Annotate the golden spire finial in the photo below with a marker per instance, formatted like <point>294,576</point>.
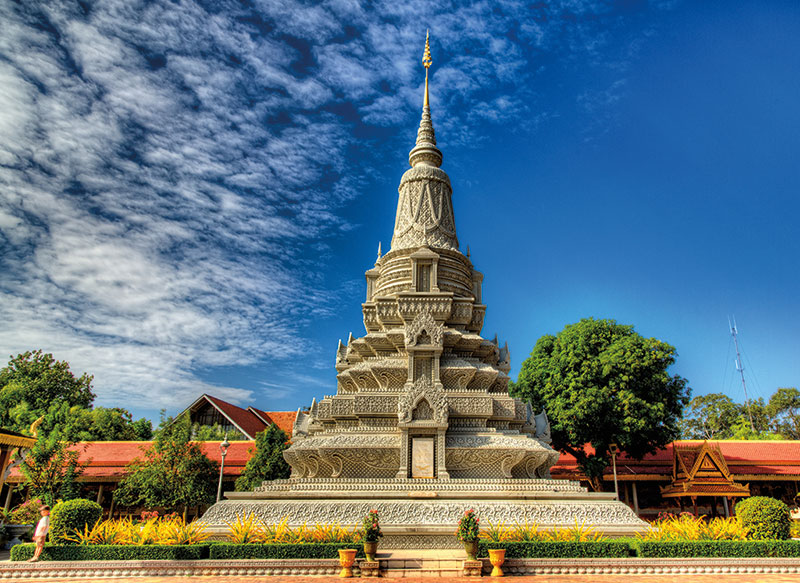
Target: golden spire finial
<point>427,62</point>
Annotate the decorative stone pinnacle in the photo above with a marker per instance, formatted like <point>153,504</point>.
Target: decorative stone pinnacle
<point>426,152</point>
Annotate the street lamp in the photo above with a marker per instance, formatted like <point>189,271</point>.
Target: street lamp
<point>614,449</point>
<point>223,450</point>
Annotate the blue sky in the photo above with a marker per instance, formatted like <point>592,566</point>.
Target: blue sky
<point>190,192</point>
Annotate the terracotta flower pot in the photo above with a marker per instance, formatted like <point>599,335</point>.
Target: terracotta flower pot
<point>371,549</point>
<point>497,557</point>
<point>471,546</point>
<point>346,559</point>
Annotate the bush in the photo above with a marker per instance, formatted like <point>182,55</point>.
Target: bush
<point>557,549</point>
<point>765,518</point>
<point>686,526</point>
<point>67,517</point>
<point>111,552</point>
<point>282,551</point>
<point>718,548</point>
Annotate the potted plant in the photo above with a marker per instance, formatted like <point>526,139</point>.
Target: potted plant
<point>21,521</point>
<point>468,533</point>
<point>372,532</point>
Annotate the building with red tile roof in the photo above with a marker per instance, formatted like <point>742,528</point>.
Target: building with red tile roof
<point>770,468</point>
<point>247,423</point>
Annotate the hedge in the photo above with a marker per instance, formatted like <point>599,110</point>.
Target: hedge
<point>718,548</point>
<point>558,549</point>
<point>766,518</point>
<point>282,551</point>
<point>23,552</point>
<point>67,517</point>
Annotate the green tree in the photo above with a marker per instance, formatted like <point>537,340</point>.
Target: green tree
<point>173,473</point>
<point>51,469</point>
<point>710,416</point>
<point>783,410</point>
<point>143,429</point>
<point>33,382</point>
<point>267,462</point>
<point>215,433</point>
<point>742,430</point>
<point>102,424</point>
<point>602,383</point>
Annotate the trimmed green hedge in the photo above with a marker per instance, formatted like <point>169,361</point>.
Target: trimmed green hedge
<point>24,552</point>
<point>718,548</point>
<point>558,549</point>
<point>282,551</point>
<point>765,517</point>
<point>67,517</point>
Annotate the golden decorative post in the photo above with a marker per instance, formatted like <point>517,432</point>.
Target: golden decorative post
<point>427,62</point>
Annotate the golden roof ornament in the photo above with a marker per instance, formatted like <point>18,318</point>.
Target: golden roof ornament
<point>425,152</point>
<point>427,62</point>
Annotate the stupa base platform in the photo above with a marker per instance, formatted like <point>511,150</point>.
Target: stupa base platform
<point>423,514</point>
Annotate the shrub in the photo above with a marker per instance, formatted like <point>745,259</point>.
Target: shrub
<point>765,518</point>
<point>282,551</point>
<point>558,549</point>
<point>718,548</point>
<point>25,513</point>
<point>111,552</point>
<point>468,526</point>
<point>686,526</point>
<point>71,516</point>
<point>247,529</point>
<point>372,528</point>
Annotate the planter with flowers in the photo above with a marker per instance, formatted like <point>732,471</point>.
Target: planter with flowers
<point>468,533</point>
<point>372,532</point>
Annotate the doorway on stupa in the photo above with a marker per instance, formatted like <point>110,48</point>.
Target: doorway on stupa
<point>422,457</point>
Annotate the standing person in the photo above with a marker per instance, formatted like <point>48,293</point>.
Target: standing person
<point>41,533</point>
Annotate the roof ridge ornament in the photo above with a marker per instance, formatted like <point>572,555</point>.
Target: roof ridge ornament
<point>425,151</point>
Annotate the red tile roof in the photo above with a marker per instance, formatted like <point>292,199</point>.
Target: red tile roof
<point>283,419</point>
<point>107,459</point>
<point>777,458</point>
<point>781,458</point>
<point>246,420</point>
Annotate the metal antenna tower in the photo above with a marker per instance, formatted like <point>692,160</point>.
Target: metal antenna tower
<point>740,368</point>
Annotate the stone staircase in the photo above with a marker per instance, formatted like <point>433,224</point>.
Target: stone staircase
<point>398,564</point>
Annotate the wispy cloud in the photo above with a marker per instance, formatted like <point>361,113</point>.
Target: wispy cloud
<point>167,168</point>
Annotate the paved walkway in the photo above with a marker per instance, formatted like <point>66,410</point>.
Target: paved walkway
<point>752,578</point>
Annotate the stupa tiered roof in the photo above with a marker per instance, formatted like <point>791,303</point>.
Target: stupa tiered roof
<point>422,423</point>
<point>422,382</point>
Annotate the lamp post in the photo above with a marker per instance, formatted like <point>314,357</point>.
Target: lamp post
<point>223,450</point>
<point>614,449</point>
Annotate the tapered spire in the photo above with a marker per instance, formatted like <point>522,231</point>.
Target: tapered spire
<point>426,152</point>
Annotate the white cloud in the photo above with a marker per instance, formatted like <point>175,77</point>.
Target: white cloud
<point>163,165</point>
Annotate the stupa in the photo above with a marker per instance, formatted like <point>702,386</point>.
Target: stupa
<point>422,426</point>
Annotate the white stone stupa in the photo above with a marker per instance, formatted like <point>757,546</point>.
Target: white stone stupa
<point>422,426</point>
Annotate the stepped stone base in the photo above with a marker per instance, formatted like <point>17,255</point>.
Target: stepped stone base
<point>423,514</point>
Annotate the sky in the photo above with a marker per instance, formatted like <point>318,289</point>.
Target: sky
<point>190,192</point>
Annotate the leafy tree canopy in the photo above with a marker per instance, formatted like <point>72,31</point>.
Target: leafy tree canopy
<point>51,469</point>
<point>36,386</point>
<point>783,411</point>
<point>172,473</point>
<point>105,424</point>
<point>710,417</point>
<point>602,383</point>
<point>33,382</point>
<point>267,462</point>
<point>717,416</point>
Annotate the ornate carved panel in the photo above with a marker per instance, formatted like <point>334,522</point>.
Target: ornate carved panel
<point>423,389</point>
